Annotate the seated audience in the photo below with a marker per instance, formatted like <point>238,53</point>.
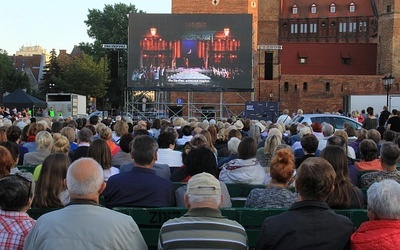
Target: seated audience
<point>123,156</point>
<point>382,231</point>
<point>245,169</point>
<point>368,150</point>
<point>85,136</point>
<point>50,191</point>
<point>7,161</point>
<point>43,141</point>
<point>83,224</point>
<point>390,154</point>
<point>265,153</point>
<point>345,194</point>
<point>140,187</point>
<point>201,160</point>
<point>309,223</point>
<point>187,136</point>
<point>106,134</point>
<point>70,133</point>
<point>233,145</point>
<point>14,134</point>
<point>203,225</point>
<point>309,145</point>
<point>276,193</point>
<point>120,129</point>
<point>16,194</point>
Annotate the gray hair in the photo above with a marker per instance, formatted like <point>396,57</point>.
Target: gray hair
<point>327,129</point>
<point>390,153</point>
<point>85,135</point>
<point>88,185</point>
<point>143,149</point>
<point>233,145</point>
<point>194,198</point>
<point>384,199</point>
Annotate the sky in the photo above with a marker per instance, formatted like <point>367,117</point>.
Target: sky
<point>56,24</point>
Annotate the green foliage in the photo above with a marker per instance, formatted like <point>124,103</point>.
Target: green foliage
<point>51,81</point>
<point>86,77</point>
<point>10,78</point>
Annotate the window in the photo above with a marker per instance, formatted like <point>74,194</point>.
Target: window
<point>332,9</point>
<point>362,26</point>
<point>286,87</point>
<point>302,57</point>
<point>313,8</point>
<point>303,28</point>
<point>294,9</point>
<point>341,88</point>
<point>293,28</point>
<point>342,27</point>
<point>327,86</point>
<point>389,8</point>
<point>313,28</point>
<point>295,88</point>
<point>352,7</point>
<point>305,87</point>
<point>353,27</point>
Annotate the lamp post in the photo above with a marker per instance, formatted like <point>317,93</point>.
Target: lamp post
<point>388,82</point>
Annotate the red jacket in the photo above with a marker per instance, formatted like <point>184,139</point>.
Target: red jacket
<point>377,234</point>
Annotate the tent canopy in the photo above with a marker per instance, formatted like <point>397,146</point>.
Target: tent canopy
<point>20,99</point>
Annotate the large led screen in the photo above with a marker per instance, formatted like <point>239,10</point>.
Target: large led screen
<point>190,52</point>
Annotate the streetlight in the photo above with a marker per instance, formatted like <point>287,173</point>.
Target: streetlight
<point>388,82</point>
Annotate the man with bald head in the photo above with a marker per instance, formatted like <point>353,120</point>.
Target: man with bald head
<point>83,223</point>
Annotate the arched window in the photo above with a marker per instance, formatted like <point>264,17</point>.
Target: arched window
<point>305,86</point>
<point>352,7</point>
<point>332,9</point>
<point>295,88</point>
<point>286,86</point>
<point>327,86</point>
<point>294,9</point>
<point>313,8</point>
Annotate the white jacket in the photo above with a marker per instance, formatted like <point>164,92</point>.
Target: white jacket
<point>242,171</point>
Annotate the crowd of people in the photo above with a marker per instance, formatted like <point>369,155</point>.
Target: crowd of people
<point>308,169</point>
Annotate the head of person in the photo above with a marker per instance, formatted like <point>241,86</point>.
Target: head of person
<point>94,120</point>
<point>121,128</point>
<point>315,179</point>
<point>384,200</point>
<point>309,143</point>
<point>69,132</point>
<point>144,150</point>
<point>282,166</point>
<point>285,112</point>
<point>201,160</point>
<point>316,127</point>
<point>51,181</point>
<point>16,192</point>
<point>166,140</point>
<point>186,130</point>
<point>14,150</point>
<point>271,143</point>
<point>6,161</point>
<point>105,133</point>
<point>125,141</point>
<point>14,133</point>
<point>247,148</point>
<point>374,135</point>
<point>275,131</point>
<point>327,129</point>
<point>234,133</point>
<point>56,126</point>
<point>203,190</point>
<point>361,134</point>
<point>350,131</point>
<point>337,157</point>
<point>85,135</point>
<point>212,129</point>
<point>370,111</point>
<point>368,150</point>
<point>60,144</point>
<point>337,141</point>
<point>390,154</point>
<point>100,152</point>
<point>44,140</point>
<point>85,179</point>
<point>233,145</point>
<point>389,135</point>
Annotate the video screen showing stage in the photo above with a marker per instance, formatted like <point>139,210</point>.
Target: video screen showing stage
<point>190,52</point>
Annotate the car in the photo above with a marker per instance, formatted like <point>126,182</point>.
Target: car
<point>337,121</point>
<point>99,113</point>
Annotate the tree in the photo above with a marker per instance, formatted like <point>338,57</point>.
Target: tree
<point>10,78</point>
<point>110,26</point>
<point>85,76</point>
<point>51,80</point>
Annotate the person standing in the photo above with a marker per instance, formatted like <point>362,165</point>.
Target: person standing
<point>370,122</point>
<point>83,223</point>
<point>203,225</point>
<point>284,118</point>
<point>384,116</point>
<point>393,123</point>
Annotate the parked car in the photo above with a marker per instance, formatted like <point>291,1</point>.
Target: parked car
<point>99,113</point>
<point>336,121</point>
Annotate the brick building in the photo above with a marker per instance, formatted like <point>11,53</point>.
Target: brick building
<point>330,50</point>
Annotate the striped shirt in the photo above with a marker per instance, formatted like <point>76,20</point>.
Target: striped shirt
<point>202,228</point>
<point>14,227</point>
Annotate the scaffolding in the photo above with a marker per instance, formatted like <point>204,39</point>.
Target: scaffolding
<point>149,105</point>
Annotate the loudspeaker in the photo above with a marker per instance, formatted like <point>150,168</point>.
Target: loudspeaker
<point>114,64</point>
<point>268,67</point>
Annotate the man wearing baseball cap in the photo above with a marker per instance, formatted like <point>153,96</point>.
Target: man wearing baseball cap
<point>203,225</point>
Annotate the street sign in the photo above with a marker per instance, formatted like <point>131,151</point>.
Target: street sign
<point>270,47</point>
<point>115,46</point>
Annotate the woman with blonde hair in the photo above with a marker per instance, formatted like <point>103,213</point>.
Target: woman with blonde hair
<point>210,145</point>
<point>50,191</point>
<point>70,133</point>
<point>43,142</point>
<point>106,134</point>
<point>120,128</point>
<point>61,144</point>
<point>276,194</point>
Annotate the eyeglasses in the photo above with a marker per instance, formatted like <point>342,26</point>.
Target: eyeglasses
<point>24,177</point>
